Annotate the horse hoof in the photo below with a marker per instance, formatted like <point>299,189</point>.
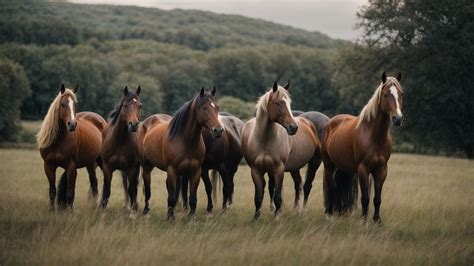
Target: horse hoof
<point>278,216</point>
<point>171,219</point>
<point>377,220</point>
<point>132,215</point>
<point>272,208</point>
<point>209,215</point>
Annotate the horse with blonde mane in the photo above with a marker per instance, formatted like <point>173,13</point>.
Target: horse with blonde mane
<point>360,146</point>
<point>70,141</point>
<point>275,142</point>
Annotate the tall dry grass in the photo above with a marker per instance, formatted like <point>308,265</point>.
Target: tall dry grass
<point>427,213</point>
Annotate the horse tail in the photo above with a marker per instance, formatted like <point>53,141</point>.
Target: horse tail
<point>214,179</point>
<point>346,191</point>
<point>62,190</point>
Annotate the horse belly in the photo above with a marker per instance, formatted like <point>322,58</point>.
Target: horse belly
<point>301,153</point>
<point>339,148</point>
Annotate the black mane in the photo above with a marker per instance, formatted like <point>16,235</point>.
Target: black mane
<point>180,118</point>
<point>115,113</point>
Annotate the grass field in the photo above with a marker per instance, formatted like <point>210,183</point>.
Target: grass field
<point>427,213</point>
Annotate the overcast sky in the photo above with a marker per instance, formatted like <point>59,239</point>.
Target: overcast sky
<point>335,18</point>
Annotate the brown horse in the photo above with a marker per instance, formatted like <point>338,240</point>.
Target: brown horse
<point>275,142</point>
<point>177,147</point>
<point>69,141</point>
<point>361,145</point>
<point>120,146</point>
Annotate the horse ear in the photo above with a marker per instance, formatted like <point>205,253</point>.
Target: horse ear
<point>139,89</point>
<point>213,92</point>
<point>202,92</point>
<point>399,76</point>
<point>125,91</point>
<point>287,86</point>
<point>76,89</point>
<point>384,77</point>
<point>63,89</point>
<point>275,86</point>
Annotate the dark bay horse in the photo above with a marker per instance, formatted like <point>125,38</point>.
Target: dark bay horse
<point>177,147</point>
<point>69,140</point>
<point>120,146</point>
<point>361,145</point>
<point>275,142</point>
<point>222,155</point>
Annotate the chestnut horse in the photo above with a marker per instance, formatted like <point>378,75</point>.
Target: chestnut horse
<point>120,146</point>
<point>223,156</point>
<point>70,141</point>
<point>177,147</point>
<point>361,145</point>
<point>275,142</point>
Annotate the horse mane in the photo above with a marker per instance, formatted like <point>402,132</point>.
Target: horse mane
<point>371,109</point>
<point>262,103</point>
<point>50,127</point>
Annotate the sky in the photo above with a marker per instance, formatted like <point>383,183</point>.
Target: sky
<point>335,18</point>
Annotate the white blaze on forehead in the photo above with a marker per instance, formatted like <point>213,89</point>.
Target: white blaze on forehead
<point>134,99</point>
<point>288,106</point>
<point>213,105</point>
<point>71,107</point>
<point>394,92</point>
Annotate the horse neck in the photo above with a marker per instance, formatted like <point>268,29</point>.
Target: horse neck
<point>264,127</point>
<point>379,126</point>
<point>120,129</point>
<point>193,131</point>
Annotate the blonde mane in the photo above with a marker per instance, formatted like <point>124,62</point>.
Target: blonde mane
<point>371,109</point>
<point>262,103</point>
<point>50,127</point>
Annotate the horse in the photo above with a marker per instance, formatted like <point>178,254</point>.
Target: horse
<point>275,142</point>
<point>361,145</point>
<point>223,156</point>
<point>177,147</point>
<point>120,147</point>
<point>69,140</point>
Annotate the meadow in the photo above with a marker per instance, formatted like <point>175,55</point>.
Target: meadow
<point>427,218</point>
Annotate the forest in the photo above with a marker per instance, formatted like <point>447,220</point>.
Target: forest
<point>172,54</point>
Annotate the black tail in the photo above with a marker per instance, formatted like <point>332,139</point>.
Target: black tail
<point>344,195</point>
<point>62,190</point>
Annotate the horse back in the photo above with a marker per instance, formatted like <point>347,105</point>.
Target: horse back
<point>95,119</point>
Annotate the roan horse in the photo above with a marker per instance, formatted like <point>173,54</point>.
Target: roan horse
<point>223,156</point>
<point>275,149</point>
<point>361,145</point>
<point>70,141</point>
<point>120,146</point>
<point>177,147</point>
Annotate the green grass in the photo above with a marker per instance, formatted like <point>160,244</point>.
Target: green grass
<point>427,213</point>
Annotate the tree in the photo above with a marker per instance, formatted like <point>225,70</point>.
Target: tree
<point>14,87</point>
<point>432,43</point>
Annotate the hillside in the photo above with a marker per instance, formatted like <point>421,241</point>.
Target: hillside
<point>65,23</point>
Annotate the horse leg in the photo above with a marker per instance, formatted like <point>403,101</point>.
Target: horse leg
<point>71,184</point>
<point>132,174</point>
<point>231,177</point>
<point>297,180</point>
<point>278,175</point>
<point>259,184</point>
<point>271,191</point>
<point>194,183</point>
<point>106,189</point>
<point>93,192</point>
<point>125,187</point>
<point>171,185</point>
<point>208,186</point>
<point>50,172</point>
<point>379,178</point>
<point>226,188</point>
<point>329,187</point>
<point>313,166</point>
<point>146,175</point>
<point>184,185</point>
<point>364,189</point>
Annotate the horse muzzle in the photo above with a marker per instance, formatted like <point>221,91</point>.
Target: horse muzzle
<point>291,129</point>
<point>397,120</point>
<point>71,126</point>
<point>133,126</point>
<point>216,132</point>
